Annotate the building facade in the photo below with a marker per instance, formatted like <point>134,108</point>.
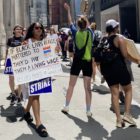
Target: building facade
<point>38,11</point>
<point>127,12</point>
<point>12,12</point>
<point>57,15</point>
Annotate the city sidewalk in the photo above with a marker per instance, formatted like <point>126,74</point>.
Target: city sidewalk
<point>76,125</point>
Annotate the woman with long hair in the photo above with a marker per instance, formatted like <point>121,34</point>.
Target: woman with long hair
<point>35,33</point>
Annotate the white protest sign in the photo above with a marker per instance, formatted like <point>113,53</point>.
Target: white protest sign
<point>51,40</point>
<point>31,63</point>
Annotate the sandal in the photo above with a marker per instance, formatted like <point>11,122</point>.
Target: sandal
<point>120,124</point>
<point>41,130</point>
<point>28,118</point>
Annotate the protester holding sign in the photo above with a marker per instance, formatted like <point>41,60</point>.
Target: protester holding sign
<point>35,33</point>
<point>13,42</point>
<point>53,38</point>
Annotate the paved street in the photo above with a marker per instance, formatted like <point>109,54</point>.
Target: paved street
<point>75,126</point>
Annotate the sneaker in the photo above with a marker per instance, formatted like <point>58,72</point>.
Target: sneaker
<point>9,97</point>
<point>28,118</point>
<point>13,99</point>
<point>89,114</point>
<point>65,110</point>
<point>128,118</point>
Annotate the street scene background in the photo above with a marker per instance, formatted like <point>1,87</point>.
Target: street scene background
<point>76,125</point>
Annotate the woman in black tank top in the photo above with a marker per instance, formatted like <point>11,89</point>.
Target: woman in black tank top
<point>117,74</point>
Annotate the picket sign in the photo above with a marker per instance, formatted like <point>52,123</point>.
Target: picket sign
<point>8,67</point>
<point>34,61</point>
<point>43,86</point>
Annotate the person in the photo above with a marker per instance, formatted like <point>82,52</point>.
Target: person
<point>69,44</point>
<point>35,33</point>
<point>116,73</point>
<point>84,63</point>
<point>63,38</point>
<point>53,37</point>
<point>97,35</point>
<point>14,41</point>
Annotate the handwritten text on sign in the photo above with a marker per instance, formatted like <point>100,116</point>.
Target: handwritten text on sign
<point>31,63</point>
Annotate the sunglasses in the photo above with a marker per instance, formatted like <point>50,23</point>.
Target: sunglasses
<point>38,27</point>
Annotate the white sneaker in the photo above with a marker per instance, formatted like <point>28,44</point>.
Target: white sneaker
<point>65,110</point>
<point>89,114</point>
<point>128,118</point>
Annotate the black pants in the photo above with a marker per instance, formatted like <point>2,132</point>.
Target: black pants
<point>64,52</point>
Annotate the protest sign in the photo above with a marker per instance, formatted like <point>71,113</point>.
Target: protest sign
<point>8,67</point>
<point>43,86</point>
<point>51,41</point>
<point>30,62</point>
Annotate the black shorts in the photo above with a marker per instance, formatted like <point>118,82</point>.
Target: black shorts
<point>78,65</point>
<point>70,49</point>
<point>116,74</point>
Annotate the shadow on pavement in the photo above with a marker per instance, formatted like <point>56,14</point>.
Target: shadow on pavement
<point>12,113</point>
<point>130,133</point>
<point>91,129</point>
<point>134,109</point>
<point>101,89</point>
<point>65,69</point>
<point>33,136</point>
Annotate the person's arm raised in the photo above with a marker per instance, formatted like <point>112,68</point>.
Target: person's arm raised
<point>67,7</point>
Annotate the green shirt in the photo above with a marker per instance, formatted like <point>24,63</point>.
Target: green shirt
<point>80,38</point>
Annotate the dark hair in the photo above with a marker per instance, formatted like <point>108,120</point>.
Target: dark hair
<point>110,29</point>
<point>29,33</point>
<point>82,23</point>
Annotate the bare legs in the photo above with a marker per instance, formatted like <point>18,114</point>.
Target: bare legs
<point>35,104</point>
<point>87,83</point>
<point>12,83</point>
<point>72,82</point>
<point>115,99</point>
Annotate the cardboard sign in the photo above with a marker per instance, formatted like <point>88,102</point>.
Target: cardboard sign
<point>8,67</point>
<point>43,86</point>
<point>34,61</point>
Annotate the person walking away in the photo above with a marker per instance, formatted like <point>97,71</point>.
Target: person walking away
<point>69,44</point>
<point>63,39</point>
<point>82,60</point>
<point>115,72</point>
<point>97,35</point>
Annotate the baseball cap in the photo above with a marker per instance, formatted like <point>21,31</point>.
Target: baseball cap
<point>112,22</point>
